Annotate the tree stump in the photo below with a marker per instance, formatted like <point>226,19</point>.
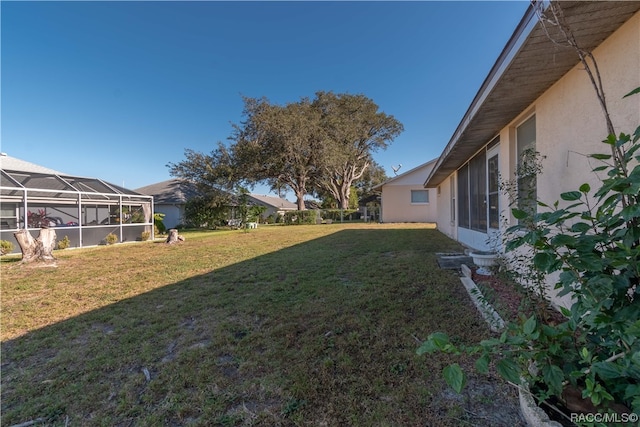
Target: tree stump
<point>174,237</point>
<point>39,249</point>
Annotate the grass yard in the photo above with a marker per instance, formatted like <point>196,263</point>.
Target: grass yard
<point>300,325</point>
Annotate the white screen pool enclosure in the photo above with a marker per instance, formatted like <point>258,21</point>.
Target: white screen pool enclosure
<point>85,210</point>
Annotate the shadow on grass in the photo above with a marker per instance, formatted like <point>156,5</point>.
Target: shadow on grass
<point>321,332</point>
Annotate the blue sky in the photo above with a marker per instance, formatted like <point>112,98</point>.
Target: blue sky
<point>117,90</point>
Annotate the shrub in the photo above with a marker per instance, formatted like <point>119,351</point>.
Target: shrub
<point>206,212</point>
<point>64,243</point>
<point>6,247</point>
<point>111,239</point>
<point>340,214</point>
<point>145,235</point>
<point>594,244</point>
<point>158,223</point>
<point>300,217</point>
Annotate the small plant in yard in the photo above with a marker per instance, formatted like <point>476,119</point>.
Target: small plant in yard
<point>145,235</point>
<point>111,239</point>
<point>593,242</point>
<point>5,247</point>
<point>64,243</point>
<point>158,223</point>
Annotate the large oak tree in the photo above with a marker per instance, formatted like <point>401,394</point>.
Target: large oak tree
<point>279,145</point>
<point>353,130</point>
<point>322,145</point>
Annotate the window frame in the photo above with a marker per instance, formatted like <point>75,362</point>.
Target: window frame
<point>476,192</point>
<point>426,192</point>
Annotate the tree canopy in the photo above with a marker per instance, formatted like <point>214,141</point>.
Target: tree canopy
<point>279,145</point>
<point>320,146</point>
<point>353,131</point>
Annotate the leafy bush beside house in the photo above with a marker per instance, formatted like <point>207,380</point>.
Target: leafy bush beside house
<point>64,243</point>
<point>158,223</point>
<point>111,239</point>
<point>206,211</point>
<point>594,244</point>
<point>300,217</point>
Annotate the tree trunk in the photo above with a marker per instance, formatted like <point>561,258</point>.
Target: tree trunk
<point>40,249</point>
<point>300,200</point>
<point>174,237</point>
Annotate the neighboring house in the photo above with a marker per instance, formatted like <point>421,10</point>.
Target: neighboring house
<point>275,205</point>
<point>83,209</point>
<point>171,196</point>
<point>404,198</point>
<point>538,97</point>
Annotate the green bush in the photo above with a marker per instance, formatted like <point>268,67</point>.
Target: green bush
<point>592,239</point>
<point>158,223</point>
<point>64,243</point>
<point>340,214</point>
<point>145,235</point>
<point>111,239</point>
<point>6,247</point>
<point>300,217</point>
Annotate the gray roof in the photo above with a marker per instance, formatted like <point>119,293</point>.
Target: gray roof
<point>17,175</point>
<point>14,164</point>
<point>172,191</point>
<point>529,65</point>
<point>276,202</point>
<point>177,192</point>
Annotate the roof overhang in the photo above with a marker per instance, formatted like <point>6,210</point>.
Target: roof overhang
<point>529,65</point>
<point>397,177</point>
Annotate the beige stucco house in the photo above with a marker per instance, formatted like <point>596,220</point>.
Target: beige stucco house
<point>404,198</point>
<point>538,96</point>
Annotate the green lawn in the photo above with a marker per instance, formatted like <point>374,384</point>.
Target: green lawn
<point>300,325</point>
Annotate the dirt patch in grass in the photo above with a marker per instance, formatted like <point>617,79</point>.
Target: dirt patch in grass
<point>304,325</point>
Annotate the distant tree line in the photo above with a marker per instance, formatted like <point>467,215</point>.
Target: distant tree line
<point>321,146</point>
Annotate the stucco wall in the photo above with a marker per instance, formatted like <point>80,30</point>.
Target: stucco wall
<point>173,215</point>
<point>395,196</point>
<point>570,122</point>
<point>569,125</point>
<point>443,214</point>
<point>397,206</point>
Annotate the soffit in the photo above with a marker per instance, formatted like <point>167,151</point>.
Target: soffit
<point>523,72</point>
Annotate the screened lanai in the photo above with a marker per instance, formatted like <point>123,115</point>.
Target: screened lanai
<point>85,210</point>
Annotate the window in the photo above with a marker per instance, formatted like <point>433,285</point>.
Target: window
<point>452,183</point>
<point>463,196</point>
<point>527,169</point>
<point>478,201</point>
<point>419,196</point>
<point>493,184</point>
<point>478,191</point>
